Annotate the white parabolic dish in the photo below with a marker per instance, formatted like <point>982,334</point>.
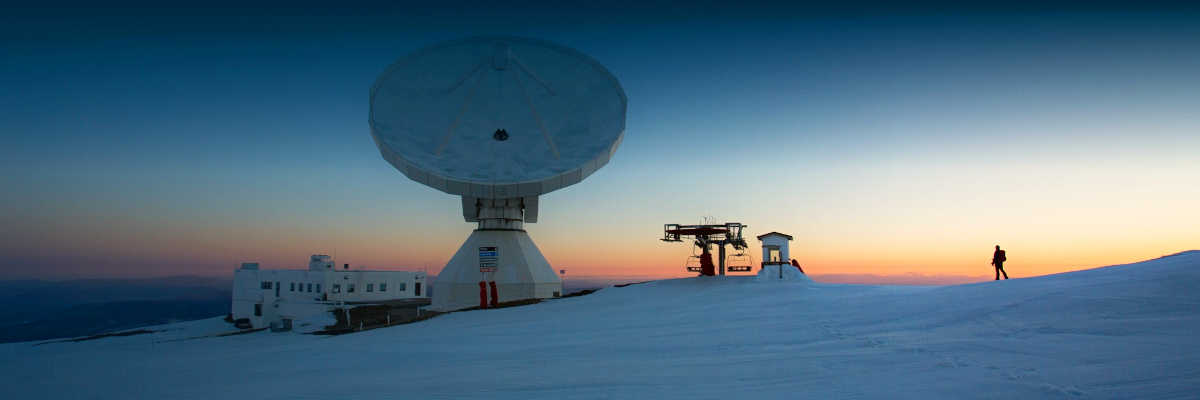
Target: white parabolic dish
<point>496,117</point>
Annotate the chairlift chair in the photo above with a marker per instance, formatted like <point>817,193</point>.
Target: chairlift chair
<point>740,262</point>
<point>693,264</point>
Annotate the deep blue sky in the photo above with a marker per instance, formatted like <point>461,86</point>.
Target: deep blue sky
<point>158,140</point>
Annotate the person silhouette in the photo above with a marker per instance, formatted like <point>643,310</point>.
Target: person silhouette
<point>998,260</point>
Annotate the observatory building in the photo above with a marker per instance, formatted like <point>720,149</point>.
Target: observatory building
<point>497,121</point>
<point>278,297</point>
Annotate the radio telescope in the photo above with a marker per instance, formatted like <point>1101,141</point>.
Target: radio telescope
<point>498,121</point>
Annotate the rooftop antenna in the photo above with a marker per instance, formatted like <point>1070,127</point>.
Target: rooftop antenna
<point>497,121</point>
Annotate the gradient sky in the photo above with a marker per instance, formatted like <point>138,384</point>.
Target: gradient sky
<point>903,140</point>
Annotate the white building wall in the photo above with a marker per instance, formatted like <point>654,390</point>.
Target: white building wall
<point>298,294</point>
<point>776,240</point>
<point>399,285</point>
<point>297,310</point>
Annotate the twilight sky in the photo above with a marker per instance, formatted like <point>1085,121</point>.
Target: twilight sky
<point>901,141</point>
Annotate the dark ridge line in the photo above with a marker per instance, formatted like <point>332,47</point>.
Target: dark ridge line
<point>100,336</point>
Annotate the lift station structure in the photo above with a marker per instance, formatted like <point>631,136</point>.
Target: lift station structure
<point>705,236</point>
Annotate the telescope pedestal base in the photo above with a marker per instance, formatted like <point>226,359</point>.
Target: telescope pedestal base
<point>507,257</point>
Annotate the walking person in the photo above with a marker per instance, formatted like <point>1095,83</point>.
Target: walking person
<point>998,260</point>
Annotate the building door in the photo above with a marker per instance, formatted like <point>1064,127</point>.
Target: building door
<point>417,287</point>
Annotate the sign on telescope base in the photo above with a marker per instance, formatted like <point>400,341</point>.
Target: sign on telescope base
<point>508,257</point>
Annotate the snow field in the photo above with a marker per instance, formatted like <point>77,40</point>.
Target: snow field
<point>1118,332</point>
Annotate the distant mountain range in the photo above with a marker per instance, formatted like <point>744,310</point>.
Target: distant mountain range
<point>39,310</point>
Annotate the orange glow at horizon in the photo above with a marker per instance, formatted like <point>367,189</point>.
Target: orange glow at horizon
<point>666,260</point>
<point>114,245</point>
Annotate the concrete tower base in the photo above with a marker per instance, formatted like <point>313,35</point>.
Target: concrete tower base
<point>521,272</point>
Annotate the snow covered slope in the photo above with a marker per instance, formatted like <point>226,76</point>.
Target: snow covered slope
<point>1128,331</point>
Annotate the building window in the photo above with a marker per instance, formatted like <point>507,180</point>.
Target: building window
<point>266,285</point>
<point>382,287</point>
<point>318,288</point>
<point>401,288</point>
<point>370,287</point>
<point>337,288</point>
<point>258,310</point>
<point>293,288</point>
<point>349,288</point>
<point>310,288</point>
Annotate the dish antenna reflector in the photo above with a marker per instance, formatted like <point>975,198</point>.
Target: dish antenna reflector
<point>499,121</point>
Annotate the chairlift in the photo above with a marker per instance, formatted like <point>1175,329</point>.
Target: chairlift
<point>740,262</point>
<point>693,264</point>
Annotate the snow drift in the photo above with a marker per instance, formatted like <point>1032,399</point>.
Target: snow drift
<point>772,273</point>
<point>1118,332</point>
